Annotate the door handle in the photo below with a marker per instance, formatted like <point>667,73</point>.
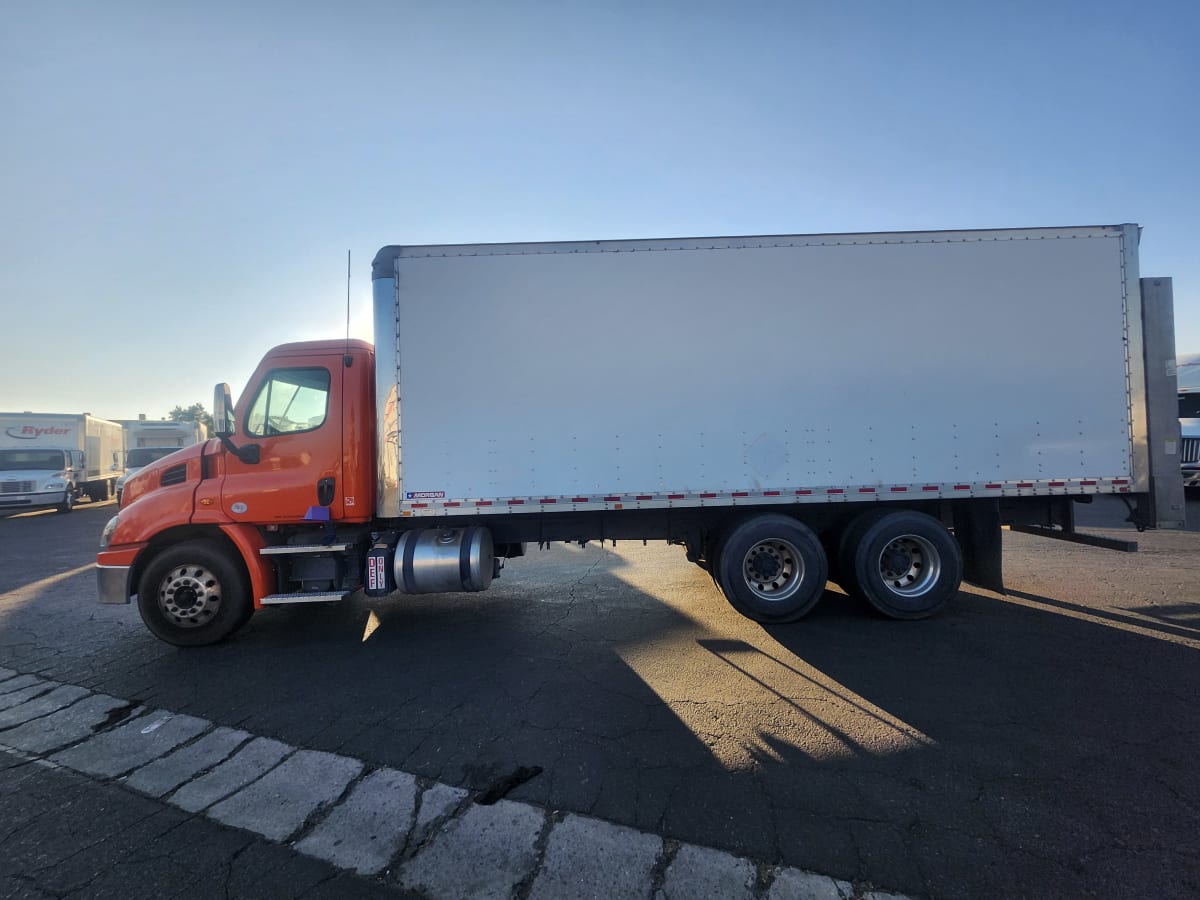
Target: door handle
<point>325,491</point>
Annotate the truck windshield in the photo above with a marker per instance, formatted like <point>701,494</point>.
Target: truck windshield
<point>1189,406</point>
<point>143,456</point>
<point>41,460</point>
<point>290,400</point>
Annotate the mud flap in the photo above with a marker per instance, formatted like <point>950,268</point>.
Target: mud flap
<point>977,527</point>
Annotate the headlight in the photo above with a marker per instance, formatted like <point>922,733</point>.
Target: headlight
<point>107,533</point>
<point>54,485</point>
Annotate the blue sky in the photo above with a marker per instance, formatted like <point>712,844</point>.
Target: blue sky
<point>180,183</point>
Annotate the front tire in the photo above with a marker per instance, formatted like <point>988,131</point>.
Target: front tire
<point>68,502</point>
<point>194,594</point>
<point>904,563</point>
<point>771,568</point>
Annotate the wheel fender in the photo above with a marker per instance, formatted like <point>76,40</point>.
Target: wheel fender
<point>249,541</point>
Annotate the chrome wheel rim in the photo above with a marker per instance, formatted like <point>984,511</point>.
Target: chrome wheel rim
<point>909,565</point>
<point>189,596</point>
<point>773,569</point>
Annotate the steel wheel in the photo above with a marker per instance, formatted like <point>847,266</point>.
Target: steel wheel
<point>189,596</point>
<point>904,563</point>
<point>911,565</point>
<point>771,568</point>
<point>194,593</point>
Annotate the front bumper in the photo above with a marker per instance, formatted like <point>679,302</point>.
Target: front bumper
<point>1191,474</point>
<point>112,583</point>
<point>40,500</point>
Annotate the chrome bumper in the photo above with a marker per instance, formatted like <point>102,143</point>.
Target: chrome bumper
<point>113,583</point>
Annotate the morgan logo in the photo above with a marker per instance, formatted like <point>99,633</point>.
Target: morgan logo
<point>32,432</point>
<point>425,495</point>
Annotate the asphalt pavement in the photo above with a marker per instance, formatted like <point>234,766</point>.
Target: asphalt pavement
<point>1041,743</point>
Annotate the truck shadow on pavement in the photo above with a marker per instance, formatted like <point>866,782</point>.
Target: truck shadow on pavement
<point>1063,743</point>
<point>1181,619</point>
<point>1015,746</point>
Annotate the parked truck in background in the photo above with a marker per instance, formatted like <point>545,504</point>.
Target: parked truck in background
<point>1188,376</point>
<point>52,459</point>
<point>148,440</point>
<point>865,408</point>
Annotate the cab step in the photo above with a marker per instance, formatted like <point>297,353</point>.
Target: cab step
<point>297,549</point>
<point>305,597</point>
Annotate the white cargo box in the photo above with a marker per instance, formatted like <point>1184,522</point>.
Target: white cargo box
<point>758,369</point>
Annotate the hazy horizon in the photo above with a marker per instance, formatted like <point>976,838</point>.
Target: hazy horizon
<point>182,183</point>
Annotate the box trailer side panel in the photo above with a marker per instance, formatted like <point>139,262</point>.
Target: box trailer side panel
<point>105,449</point>
<point>676,368</point>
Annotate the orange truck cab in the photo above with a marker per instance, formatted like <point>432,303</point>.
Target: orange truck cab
<point>195,536</point>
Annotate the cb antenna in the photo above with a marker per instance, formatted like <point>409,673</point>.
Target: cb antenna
<point>347,359</point>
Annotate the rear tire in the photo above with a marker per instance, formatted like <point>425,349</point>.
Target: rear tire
<point>904,563</point>
<point>771,568</point>
<point>193,594</point>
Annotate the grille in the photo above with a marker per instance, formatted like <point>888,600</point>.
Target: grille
<point>16,487</point>
<point>1191,449</point>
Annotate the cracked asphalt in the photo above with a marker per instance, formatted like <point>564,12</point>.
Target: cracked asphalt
<point>1044,743</point>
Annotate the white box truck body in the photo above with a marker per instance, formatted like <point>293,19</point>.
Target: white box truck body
<point>832,364</point>
<point>52,459</point>
<point>870,409</point>
<point>149,440</point>
<point>162,433</point>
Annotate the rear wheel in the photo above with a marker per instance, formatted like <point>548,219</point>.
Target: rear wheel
<point>194,594</point>
<point>904,563</point>
<point>771,568</point>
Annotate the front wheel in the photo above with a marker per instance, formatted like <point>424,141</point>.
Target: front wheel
<point>68,502</point>
<point>771,568</point>
<point>194,594</point>
<point>904,563</point>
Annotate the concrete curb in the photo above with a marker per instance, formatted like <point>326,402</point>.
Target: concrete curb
<point>430,838</point>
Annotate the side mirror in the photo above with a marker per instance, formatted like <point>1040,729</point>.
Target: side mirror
<point>222,411</point>
<point>223,423</point>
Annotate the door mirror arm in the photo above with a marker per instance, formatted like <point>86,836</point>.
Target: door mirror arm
<point>250,454</point>
<point>223,427</point>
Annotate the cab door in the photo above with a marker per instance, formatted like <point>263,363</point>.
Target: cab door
<point>291,413</point>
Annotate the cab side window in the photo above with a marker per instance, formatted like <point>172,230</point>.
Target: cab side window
<point>289,401</point>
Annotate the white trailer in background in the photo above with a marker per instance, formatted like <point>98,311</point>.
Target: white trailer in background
<point>162,433</point>
<point>52,459</point>
<point>148,440</point>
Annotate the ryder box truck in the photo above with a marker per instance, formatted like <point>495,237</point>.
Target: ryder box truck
<point>53,459</point>
<point>864,408</point>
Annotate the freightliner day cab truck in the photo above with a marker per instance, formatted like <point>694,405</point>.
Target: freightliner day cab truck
<point>865,408</point>
<point>53,459</point>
